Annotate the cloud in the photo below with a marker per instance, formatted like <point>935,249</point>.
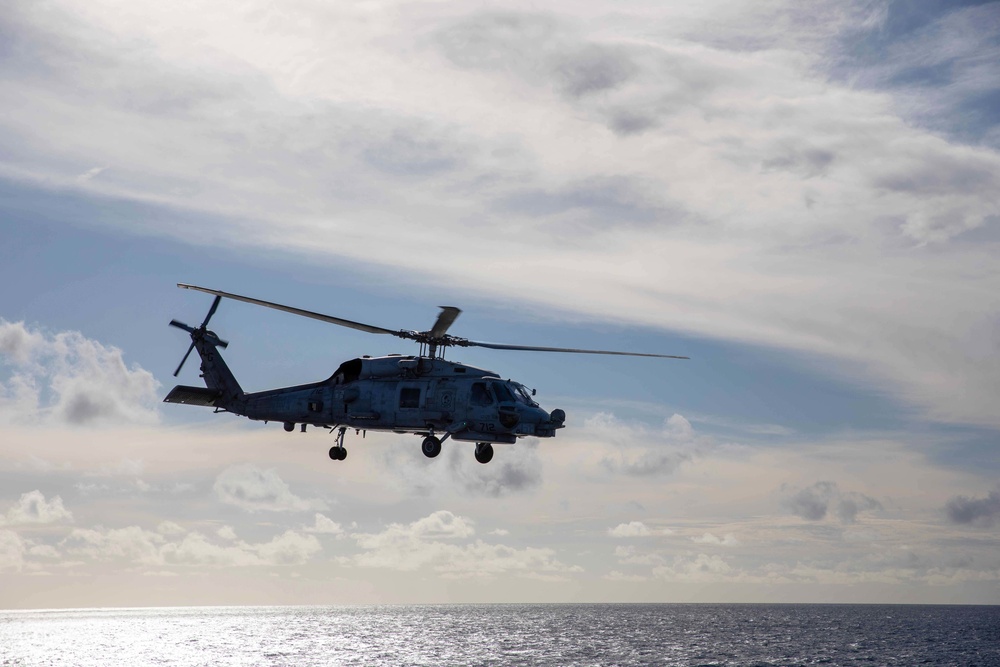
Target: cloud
<point>32,508</point>
<point>813,502</point>
<point>976,511</point>
<point>12,550</point>
<point>851,504</point>
<point>727,540</point>
<point>936,59</point>
<point>66,378</point>
<point>227,533</point>
<point>438,542</point>
<point>325,526</point>
<point>138,546</point>
<point>636,529</point>
<point>513,470</point>
<point>701,568</point>
<point>643,452</point>
<point>631,529</point>
<point>253,489</point>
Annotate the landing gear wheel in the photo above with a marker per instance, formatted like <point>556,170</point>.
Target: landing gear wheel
<point>431,446</point>
<point>484,452</point>
<point>338,453</point>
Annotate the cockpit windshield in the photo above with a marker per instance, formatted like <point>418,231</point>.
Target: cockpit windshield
<point>522,394</point>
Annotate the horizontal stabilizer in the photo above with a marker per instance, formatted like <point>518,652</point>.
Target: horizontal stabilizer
<point>193,395</point>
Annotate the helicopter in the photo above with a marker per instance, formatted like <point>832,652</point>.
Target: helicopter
<point>423,394</point>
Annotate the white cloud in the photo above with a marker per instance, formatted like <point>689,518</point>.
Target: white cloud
<point>325,525</point>
<point>138,546</point>
<point>636,529</point>
<point>66,378</point>
<point>12,551</point>
<point>727,540</point>
<point>253,489</point>
<point>32,508</point>
<point>132,544</point>
<point>170,529</point>
<point>435,542</point>
<point>702,568</point>
<point>227,533</point>
<point>638,451</point>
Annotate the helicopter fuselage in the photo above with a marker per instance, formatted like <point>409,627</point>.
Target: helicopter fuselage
<point>407,394</point>
<point>402,394</point>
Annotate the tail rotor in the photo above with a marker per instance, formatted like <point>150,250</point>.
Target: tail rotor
<point>201,333</point>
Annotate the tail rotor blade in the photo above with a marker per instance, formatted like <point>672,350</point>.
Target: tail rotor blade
<point>181,365</point>
<point>181,325</point>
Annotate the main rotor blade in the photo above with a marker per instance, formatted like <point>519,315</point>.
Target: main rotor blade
<point>297,311</point>
<point>445,319</point>
<point>211,311</point>
<point>531,348</point>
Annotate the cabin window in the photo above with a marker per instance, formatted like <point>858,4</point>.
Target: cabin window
<point>480,394</point>
<point>409,397</point>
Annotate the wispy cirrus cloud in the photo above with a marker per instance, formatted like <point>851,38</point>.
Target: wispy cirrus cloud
<point>714,175</point>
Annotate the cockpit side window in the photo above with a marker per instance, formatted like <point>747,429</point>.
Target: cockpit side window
<point>480,394</point>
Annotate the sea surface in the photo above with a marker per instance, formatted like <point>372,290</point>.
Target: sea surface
<point>572,634</point>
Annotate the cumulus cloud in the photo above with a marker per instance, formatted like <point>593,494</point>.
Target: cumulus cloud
<point>12,549</point>
<point>636,529</point>
<point>701,568</point>
<point>631,529</point>
<point>325,525</point>
<point>33,508</point>
<point>976,511</point>
<point>727,540</point>
<point>813,502</point>
<point>66,378</point>
<point>643,452</point>
<point>439,542</point>
<point>253,489</point>
<point>135,545</point>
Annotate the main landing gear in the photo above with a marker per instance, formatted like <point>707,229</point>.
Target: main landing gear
<point>431,447</point>
<point>337,452</point>
<point>484,452</point>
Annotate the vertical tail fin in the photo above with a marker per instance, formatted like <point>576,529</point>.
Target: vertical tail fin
<point>214,370</point>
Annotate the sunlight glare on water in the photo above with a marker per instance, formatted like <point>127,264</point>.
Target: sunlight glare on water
<point>504,635</point>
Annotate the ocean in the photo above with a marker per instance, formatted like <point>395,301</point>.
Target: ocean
<point>485,634</point>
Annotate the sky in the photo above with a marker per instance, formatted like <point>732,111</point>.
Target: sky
<point>801,197</point>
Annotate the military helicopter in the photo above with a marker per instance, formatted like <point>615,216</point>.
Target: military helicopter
<point>423,394</point>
